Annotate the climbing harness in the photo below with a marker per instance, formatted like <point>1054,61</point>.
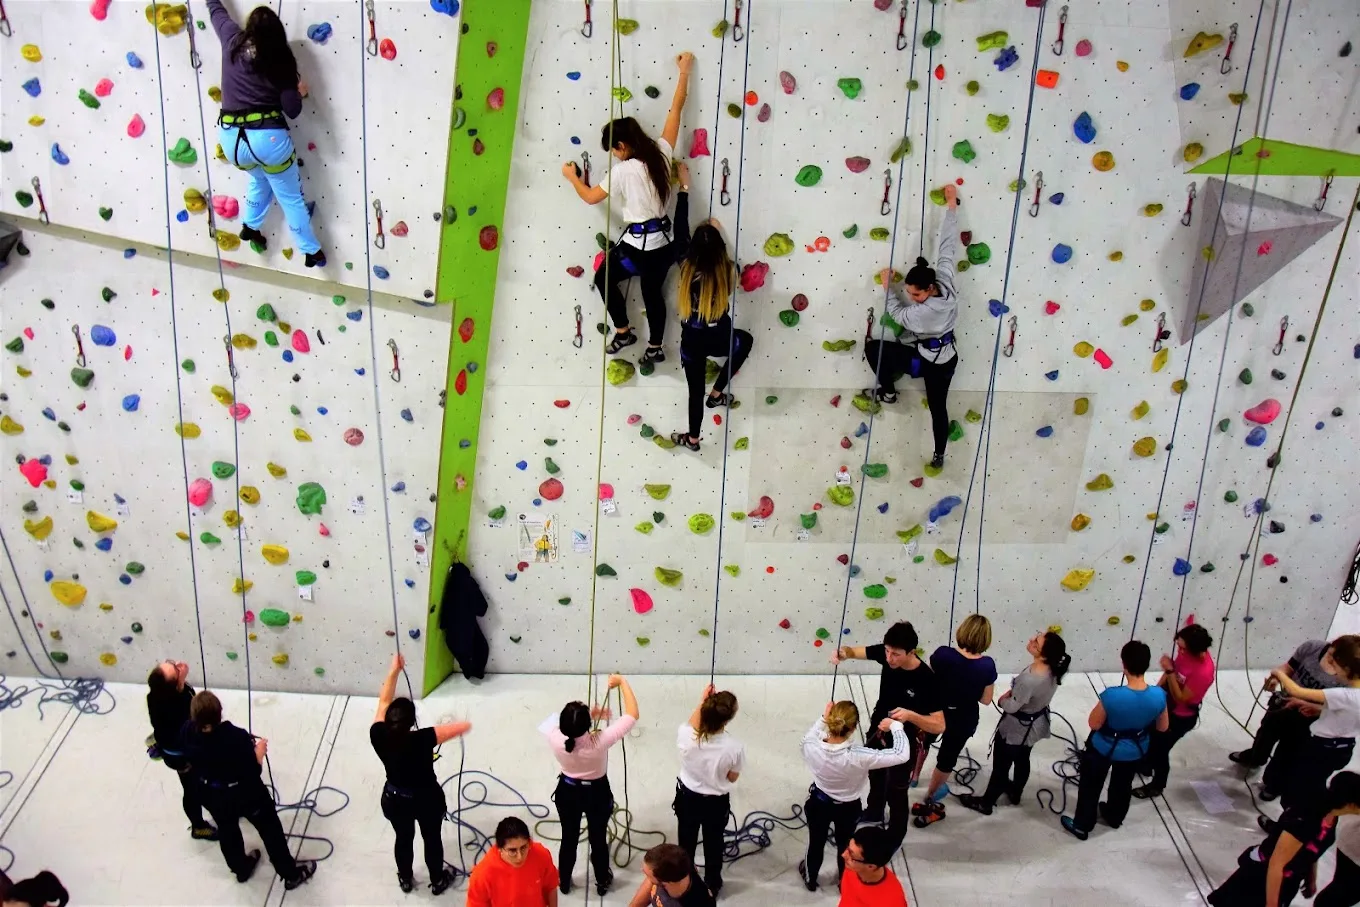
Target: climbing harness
<point>372,45</point>
<point>585,167</point>
<point>725,197</point>
<point>231,359</point>
<point>737,31</point>
<point>42,205</point>
<point>588,28</point>
<point>578,340</point>
<point>6,29</point>
<point>1161,334</point>
<point>1009,349</point>
<point>902,27</point>
<point>935,344</point>
<point>1038,189</point>
<point>869,327</point>
<point>1326,187</point>
<point>243,122</point>
<point>1227,53</point>
<point>379,238</point>
<point>1284,328</point>
<point>1062,29</point>
<point>395,374</point>
<point>886,208</point>
<point>1189,206</point>
<point>80,346</point>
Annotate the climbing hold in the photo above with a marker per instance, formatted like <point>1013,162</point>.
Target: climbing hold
<point>857,164</point>
<point>301,434</point>
<point>68,593</point>
<point>1080,522</point>
<point>979,253</point>
<point>1101,482</point>
<point>82,376</point>
<point>1084,129</point>
<point>1004,60</point>
<point>1189,90</point>
<point>879,234</point>
<point>668,577</point>
<point>763,116</point>
<point>842,495</point>
<point>1078,578</point>
<point>1152,210</point>
<point>1145,447</point>
<point>1256,437</point>
<point>1084,48</point>
<point>1083,349</point>
<point>275,554</point>
<point>778,245</point>
<point>997,122</point>
<point>1102,358</point>
<point>310,497</point>
<point>9,427</point>
<point>1245,376</point>
<point>850,87</point>
<point>495,99</point>
<point>944,558</point>
<point>762,510</point>
<point>1045,432</point>
<point>753,276</point>
<point>875,470</point>
<point>1103,161</point>
<point>787,82</point>
<point>550,489</point>
<point>1202,42</point>
<point>1192,152</point>
<point>1264,412</point>
<point>1159,359</point>
<point>618,371</point>
<point>183,152</point>
<point>39,530</point>
<point>33,87</point>
<point>387,49</point>
<point>642,602</point>
<point>964,151</point>
<point>1062,253</point>
<point>809,175</point>
<point>1140,410</point>
<point>701,523</point>
<point>992,41</point>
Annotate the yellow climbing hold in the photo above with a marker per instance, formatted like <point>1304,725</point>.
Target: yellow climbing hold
<point>1140,410</point>
<point>1129,558</point>
<point>1147,305</point>
<point>1101,482</point>
<point>301,434</point>
<point>1083,349</point>
<point>931,470</point>
<point>228,242</point>
<point>169,20</point>
<point>232,518</point>
<point>275,554</point>
<point>1081,406</point>
<point>1152,210</point>
<point>1236,98</point>
<point>240,585</point>
<point>1159,359</point>
<point>36,120</point>
<point>10,427</point>
<point>1207,253</point>
<point>108,659</point>
<point>215,92</point>
<point>943,558</point>
<point>100,523</point>
<point>50,483</point>
<point>195,201</point>
<point>280,659</point>
<point>626,26</point>
<point>223,395</point>
<point>31,53</point>
<point>1121,66</point>
<point>250,494</point>
<point>1202,42</point>
<point>276,470</point>
<point>182,535</point>
<point>1128,319</point>
<point>1080,522</point>
<point>71,460</point>
<point>188,430</point>
<point>1179,385</point>
<point>39,530</point>
<point>105,606</point>
<point>243,341</point>
<point>221,294</point>
<point>1145,447</point>
<point>23,372</point>
<point>1193,152</point>
<point>1078,578</point>
<point>1103,161</point>
<point>1116,256</point>
<point>68,593</point>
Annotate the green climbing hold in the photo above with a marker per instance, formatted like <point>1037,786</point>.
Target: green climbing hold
<point>496,513</point>
<point>183,152</point>
<point>742,443</point>
<point>937,196</point>
<point>652,92</point>
<point>876,591</point>
<point>902,150</point>
<point>605,570</point>
<point>809,175</point>
<point>1208,567</point>
<point>105,213</point>
<point>107,294</point>
<point>1016,185</point>
<point>737,515</point>
<point>838,346</point>
<point>77,485</point>
<point>913,84</point>
<point>866,404</point>
<point>271,339</point>
<point>1128,319</point>
<point>188,366</point>
<point>626,26</point>
<point>972,416</point>
<point>906,535</point>
<point>997,122</point>
<point>851,87</point>
<point>618,371</point>
<point>304,577</point>
<point>622,94</point>
<point>136,568</point>
<point>1161,528</point>
<point>223,470</point>
<point>873,613</point>
<point>59,657</point>
<point>663,442</point>
<point>1247,309</point>
<point>550,442</point>
<point>668,577</point>
<point>972,88</point>
<point>23,198</point>
<point>644,527</point>
<point>918,558</point>
<point>273,617</point>
<point>841,495</point>
<point>552,468</point>
<point>266,313</point>
<point>930,38</point>
<point>82,376</point>
<point>710,371</point>
<point>879,234</point>
<point>779,244</point>
<point>931,470</point>
<point>310,497</point>
<point>564,600</point>
<point>823,633</point>
<point>6,145</point>
<point>1230,497</point>
<point>734,111</point>
<point>875,470</point>
<point>1101,482</point>
<point>136,626</point>
<point>88,99</point>
<point>658,516</point>
<point>808,520</point>
<point>964,151</point>
<point>294,410</point>
<point>645,369</point>
<point>732,569</point>
<point>643,641</point>
<point>1224,424</point>
<point>646,430</point>
<point>963,265</point>
<point>657,492</point>
<point>955,430</point>
<point>1244,376</point>
<point>943,558</point>
<point>851,231</point>
<point>208,538</point>
<point>601,241</point>
<point>232,656</point>
<point>771,400</point>
<point>992,41</point>
<point>319,672</point>
<point>700,523</point>
<point>17,344</point>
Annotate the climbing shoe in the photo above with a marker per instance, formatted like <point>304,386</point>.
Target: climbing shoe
<point>1147,792</point>
<point>305,870</point>
<point>882,396</point>
<point>564,885</point>
<point>315,259</point>
<point>441,884</point>
<point>244,873</point>
<point>1071,825</point>
<point>602,884</point>
<point>681,439</point>
<point>255,236</point>
<point>937,461</point>
<point>1104,809</point>
<point>406,881</point>
<point>619,341</point>
<point>935,814</point>
<point>653,355</point>
<point>976,803</point>
<point>204,832</point>
<point>713,401</point>
<point>1268,795</point>
<point>809,884</point>
<point>1247,758</point>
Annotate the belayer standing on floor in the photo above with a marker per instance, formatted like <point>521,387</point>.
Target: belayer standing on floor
<point>1186,679</point>
<point>167,703</point>
<point>1331,740</point>
<point>640,184</point>
<point>1024,721</point>
<point>227,762</point>
<point>412,794</point>
<point>702,297</point>
<point>710,762</point>
<point>261,91</point>
<point>920,342</point>
<point>516,872</point>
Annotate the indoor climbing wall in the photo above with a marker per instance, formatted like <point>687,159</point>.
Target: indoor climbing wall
<point>100,106</point>
<point>1110,467</point>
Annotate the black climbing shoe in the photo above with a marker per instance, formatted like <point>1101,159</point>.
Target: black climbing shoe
<point>1071,825</point>
<point>809,884</point>
<point>603,883</point>
<point>976,803</point>
<point>1247,758</point>
<point>620,340</point>
<point>441,884</point>
<point>681,439</point>
<point>255,236</point>
<point>937,461</point>
<point>653,355</point>
<point>204,832</point>
<point>564,885</point>
<point>305,870</point>
<point>1147,792</point>
<point>406,881</point>
<point>1267,794</point>
<point>252,860</point>
<point>1104,809</point>
<point>880,395</point>
<point>315,259</point>
<point>714,401</point>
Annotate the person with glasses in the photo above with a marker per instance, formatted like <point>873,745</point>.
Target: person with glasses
<point>516,872</point>
<point>870,883</point>
<point>167,704</point>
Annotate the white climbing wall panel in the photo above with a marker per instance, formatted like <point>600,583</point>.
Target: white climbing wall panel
<point>360,109</point>
<point>1022,489</point>
<point>163,317</point>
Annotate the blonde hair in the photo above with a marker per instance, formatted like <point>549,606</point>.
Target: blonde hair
<point>974,634</point>
<point>843,719</point>
<point>706,273</point>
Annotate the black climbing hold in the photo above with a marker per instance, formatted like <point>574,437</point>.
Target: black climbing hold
<point>458,92</point>
<point>1160,619</point>
<point>1276,527</point>
<point>1284,579</point>
<point>1336,411</point>
<point>429,294</point>
<point>472,133</point>
<point>1247,619</point>
<point>1346,49</point>
<point>1300,339</point>
<point>23,614</point>
<point>326,563</point>
<point>1277,374</point>
<point>601,327</point>
<point>465,28</point>
<point>49,304</point>
<point>1273,460</point>
<point>434,498</point>
<point>438,217</point>
<point>297,377</point>
<point>1243,556</point>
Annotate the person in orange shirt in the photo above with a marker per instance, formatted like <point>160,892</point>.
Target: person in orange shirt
<point>517,872</point>
<point>870,883</point>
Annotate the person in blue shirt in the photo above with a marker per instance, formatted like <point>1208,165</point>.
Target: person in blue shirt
<point>1121,727</point>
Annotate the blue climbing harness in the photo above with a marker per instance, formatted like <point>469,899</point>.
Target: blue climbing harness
<point>645,228</point>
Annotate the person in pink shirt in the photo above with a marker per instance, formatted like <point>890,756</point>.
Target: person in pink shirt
<point>1186,679</point>
<point>583,785</point>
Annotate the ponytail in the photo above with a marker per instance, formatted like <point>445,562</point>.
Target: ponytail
<point>714,714</point>
<point>1054,653</point>
<point>574,722</point>
<point>42,889</point>
<point>921,276</point>
<point>843,719</point>
<point>400,716</point>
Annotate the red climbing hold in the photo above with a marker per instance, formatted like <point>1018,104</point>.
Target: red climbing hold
<point>387,49</point>
<point>324,530</point>
<point>753,276</point>
<point>1263,413</point>
<point>399,228</point>
<point>136,126</point>
<point>354,437</point>
<point>496,99</point>
<point>460,383</point>
<point>34,471</point>
<point>966,237</point>
<point>478,147</point>
<point>489,238</point>
<point>598,262</point>
<point>522,566</point>
<point>845,442</point>
<point>836,400</point>
<point>576,270</point>
<point>561,404</point>
<point>1103,358</point>
<point>1269,560</point>
<point>1264,248</point>
<point>465,329</point>
<point>843,558</point>
<point>822,244</point>
<point>918,481</point>
<point>100,9</point>
<point>300,342</point>
<point>606,491</point>
<point>800,302</point>
<point>127,353</point>
<point>763,510</point>
<point>784,624</point>
<point>752,99</point>
<point>642,602</point>
<point>817,506</point>
<point>698,144</point>
<point>939,72</point>
<point>491,48</point>
<point>717,420</point>
<point>550,490</point>
<point>769,569</point>
<point>1051,308</point>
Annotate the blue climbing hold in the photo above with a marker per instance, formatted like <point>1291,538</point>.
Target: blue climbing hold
<point>103,336</point>
<point>59,156</point>
<point>1056,198</point>
<point>472,368</point>
<point>359,371</point>
<point>448,8</point>
<point>943,507</point>
<point>129,253</point>
<point>522,465</point>
<point>356,315</point>
<point>119,499</point>
<point>1357,351</point>
<point>125,579</point>
<point>1316,518</point>
<point>321,410</point>
<point>104,544</point>
<point>862,430</point>
<point>1256,437</point>
<point>1062,253</point>
<point>465,443</point>
<point>45,459</point>
<point>33,87</point>
<point>576,140</point>
<point>414,634</point>
<point>1259,505</point>
<point>182,217</point>
<point>854,569</point>
<point>1006,59</point>
<point>51,416</point>
<point>406,415</point>
<point>410,584</point>
<point>1045,432</point>
<point>997,307</point>
<point>1319,425</point>
<point>472,210</point>
<point>1189,90</point>
<point>421,524</point>
<point>1084,129</point>
<point>381,273</point>
<point>511,576</point>
<point>537,502</point>
<point>1051,376</point>
<point>574,76</point>
<point>883,508</point>
<point>287,355</point>
<point>399,488</point>
<point>320,32</point>
<point>127,640</point>
<point>133,60</point>
<point>1182,567</point>
<point>47,576</point>
<point>131,402</point>
<point>472,133</point>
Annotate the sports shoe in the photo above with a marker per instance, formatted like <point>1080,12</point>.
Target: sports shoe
<point>880,395</point>
<point>406,881</point>
<point>252,860</point>
<point>204,832</point>
<point>441,884</point>
<point>937,461</point>
<point>564,885</point>
<point>976,803</point>
<point>1071,825</point>
<point>809,884</point>
<point>305,870</point>
<point>315,259</point>
<point>1247,758</point>
<point>1147,792</point>
<point>255,236</point>
<point>935,814</point>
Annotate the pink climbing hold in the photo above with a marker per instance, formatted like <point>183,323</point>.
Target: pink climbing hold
<point>1263,413</point>
<point>606,491</point>
<point>28,332</point>
<point>103,88</point>
<point>466,328</point>
<point>634,419</point>
<point>34,471</point>
<point>753,276</point>
<point>226,206</point>
<point>857,164</point>
<point>1051,308</point>
<point>1083,48</point>
<point>248,617</point>
<point>399,228</point>
<point>496,99</point>
<point>491,48</point>
<point>788,82</point>
<point>127,353</point>
<point>843,558</point>
<point>550,489</point>
<point>918,481</point>
<point>354,437</point>
<point>845,442</point>
<point>599,261</point>
<point>489,238</point>
<point>836,400</point>
<point>642,602</point>
<point>300,341</point>
<point>698,144</point>
<point>763,510</point>
<point>323,529</point>
<point>764,115</point>
<point>478,147</point>
<point>136,126</point>
<point>883,5</point>
<point>799,304</point>
<point>561,404</point>
<point>387,49</point>
<point>1269,560</point>
<point>100,9</point>
<point>311,146</point>
<point>1264,248</point>
<point>239,411</point>
<point>817,506</point>
<point>576,270</point>
<point>1103,358</point>
<point>200,492</point>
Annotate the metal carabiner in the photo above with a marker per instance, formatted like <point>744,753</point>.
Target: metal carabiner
<point>1038,189</point>
<point>1062,29</point>
<point>372,45</point>
<point>1009,349</point>
<point>231,359</point>
<point>6,29</point>
<point>1189,206</point>
<point>902,27</point>
<point>1227,66</point>
<point>725,197</point>
<point>737,31</point>
<point>1284,329</point>
<point>80,346</point>
<point>379,240</point>
<point>1326,187</point>
<point>42,202</point>
<point>395,374</point>
<point>886,208</point>
<point>585,167</point>
<point>1162,333</point>
<point>588,28</point>
<point>194,59</point>
<point>578,340</point>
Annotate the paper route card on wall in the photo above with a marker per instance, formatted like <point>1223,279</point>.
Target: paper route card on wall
<point>538,538</point>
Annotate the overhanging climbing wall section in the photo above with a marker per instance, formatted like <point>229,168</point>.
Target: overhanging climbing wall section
<point>235,489</point>
<point>84,104</point>
<point>1085,523</point>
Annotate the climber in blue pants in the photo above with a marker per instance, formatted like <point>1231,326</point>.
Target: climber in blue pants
<point>261,91</point>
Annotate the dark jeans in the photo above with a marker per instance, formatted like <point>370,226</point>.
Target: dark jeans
<point>695,348</point>
<point>1247,886</point>
<point>1010,772</point>
<point>249,801</point>
<point>1159,748</point>
<point>822,814</point>
<point>595,801</point>
<point>1319,758</point>
<point>695,812</point>
<point>1282,734</point>
<point>891,787</point>
<point>1094,768</point>
<point>405,810</point>
<point>650,268</point>
<point>1344,890</point>
<point>896,361</point>
<point>192,799</point>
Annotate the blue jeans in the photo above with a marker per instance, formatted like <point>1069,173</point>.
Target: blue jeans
<point>269,148</point>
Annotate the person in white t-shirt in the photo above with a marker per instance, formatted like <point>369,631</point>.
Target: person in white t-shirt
<point>710,761</point>
<point>639,180</point>
<point>1332,741</point>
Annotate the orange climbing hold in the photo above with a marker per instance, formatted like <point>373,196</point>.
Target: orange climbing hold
<point>752,99</point>
<point>1046,78</point>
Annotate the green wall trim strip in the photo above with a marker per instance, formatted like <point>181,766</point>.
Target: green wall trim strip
<point>467,274</point>
<point>1283,159</point>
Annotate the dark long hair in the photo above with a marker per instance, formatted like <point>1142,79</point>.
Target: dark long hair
<point>574,722</point>
<point>41,890</point>
<point>160,689</point>
<point>627,131</point>
<point>400,716</point>
<point>264,43</point>
<point>1054,653</point>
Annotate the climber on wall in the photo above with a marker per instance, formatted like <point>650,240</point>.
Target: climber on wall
<point>260,88</point>
<point>167,704</point>
<point>412,793</point>
<point>921,339</point>
<point>640,181</point>
<point>706,272</point>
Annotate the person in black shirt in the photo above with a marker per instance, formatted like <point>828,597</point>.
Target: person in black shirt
<point>226,762</point>
<point>907,692</point>
<point>167,704</point>
<point>1271,873</point>
<point>412,793</point>
<point>671,880</point>
<point>42,890</point>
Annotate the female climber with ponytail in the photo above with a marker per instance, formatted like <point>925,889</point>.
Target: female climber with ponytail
<point>261,91</point>
<point>920,338</point>
<point>583,784</point>
<point>640,183</point>
<point>412,793</point>
<point>710,762</point>
<point>1024,721</point>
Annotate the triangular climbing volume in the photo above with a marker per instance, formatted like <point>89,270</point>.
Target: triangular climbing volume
<point>1272,158</point>
<point>1278,232</point>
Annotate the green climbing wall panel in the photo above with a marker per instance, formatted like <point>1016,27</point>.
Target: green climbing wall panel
<point>1284,159</point>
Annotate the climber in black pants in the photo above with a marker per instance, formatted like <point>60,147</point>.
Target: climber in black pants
<point>706,272</point>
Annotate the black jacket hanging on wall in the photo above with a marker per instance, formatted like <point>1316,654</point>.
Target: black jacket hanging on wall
<point>461,605</point>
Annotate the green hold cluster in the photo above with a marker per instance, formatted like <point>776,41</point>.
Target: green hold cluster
<point>657,492</point>
<point>310,497</point>
<point>135,568</point>
<point>183,152</point>
<point>866,404</point>
<point>931,38</point>
<point>605,570</point>
<point>972,88</point>
<point>902,150</point>
<point>808,520</point>
<point>1244,376</point>
<point>964,151</point>
<point>732,569</point>
<point>1230,497</point>
<point>955,430</point>
<point>644,527</point>
<point>992,41</point>
<point>851,231</point>
<point>742,443</point>
<point>734,111</point>
<point>16,345</point>
<point>658,516</point>
<point>997,122</point>
<point>873,613</point>
<point>266,313</point>
<point>979,253</point>
<point>838,346</point>
<point>105,214</point>
<point>271,339</point>
<point>906,535</point>
<point>879,234</point>
<point>552,468</point>
<point>188,366</point>
<point>208,538</point>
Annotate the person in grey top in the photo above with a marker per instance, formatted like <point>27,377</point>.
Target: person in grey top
<point>1024,721</point>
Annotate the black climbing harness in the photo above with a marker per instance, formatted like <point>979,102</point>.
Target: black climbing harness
<point>1026,720</point>
<point>641,230</point>
<point>935,344</point>
<point>241,122</point>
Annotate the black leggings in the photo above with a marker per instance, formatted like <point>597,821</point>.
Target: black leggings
<point>595,801</point>
<point>1161,744</point>
<point>426,808</point>
<point>192,800</point>
<point>650,267</point>
<point>708,812</point>
<point>822,814</point>
<point>895,362</point>
<point>1344,890</point>
<point>1010,772</point>
<point>1319,759</point>
<point>695,348</point>
<point>1247,886</point>
<point>251,801</point>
